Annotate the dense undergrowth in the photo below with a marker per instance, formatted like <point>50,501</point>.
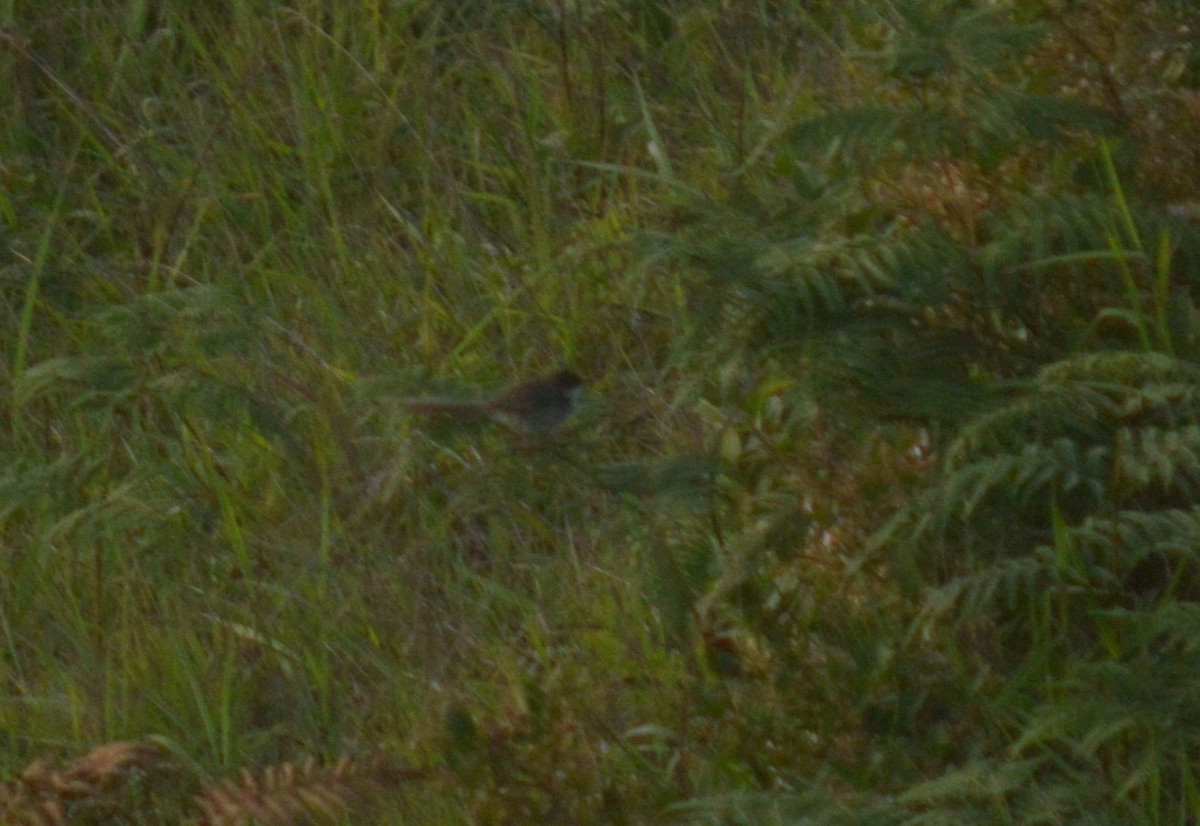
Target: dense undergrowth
<point>881,506</point>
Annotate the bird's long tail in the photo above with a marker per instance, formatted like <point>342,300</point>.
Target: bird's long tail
<point>457,409</point>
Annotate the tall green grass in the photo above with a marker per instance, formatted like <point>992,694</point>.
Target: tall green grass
<point>237,233</point>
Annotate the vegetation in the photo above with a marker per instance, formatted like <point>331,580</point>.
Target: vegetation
<point>882,506</point>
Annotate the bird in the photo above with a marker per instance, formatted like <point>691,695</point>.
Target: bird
<point>535,408</point>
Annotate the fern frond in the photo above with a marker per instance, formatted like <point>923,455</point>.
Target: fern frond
<point>293,792</point>
<point>868,126</point>
<point>1177,624</point>
<point>47,792</point>
<point>1109,550</point>
<point>1162,404</point>
<point>1076,410</point>
<point>1115,704</point>
<point>1121,367</point>
<point>947,93</point>
<point>1005,584</point>
<point>1030,234</point>
<point>1166,460</point>
<point>1026,480</point>
<point>1132,535</point>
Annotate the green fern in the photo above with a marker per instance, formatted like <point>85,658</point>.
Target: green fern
<point>1132,535</point>
<point>956,251</point>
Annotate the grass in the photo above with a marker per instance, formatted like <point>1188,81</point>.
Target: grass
<point>234,238</point>
<point>241,581</point>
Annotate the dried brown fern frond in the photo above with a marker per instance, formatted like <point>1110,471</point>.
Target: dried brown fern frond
<point>18,807</point>
<point>299,792</point>
<point>44,791</point>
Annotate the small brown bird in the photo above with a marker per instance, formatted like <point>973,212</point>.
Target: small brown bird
<point>536,407</point>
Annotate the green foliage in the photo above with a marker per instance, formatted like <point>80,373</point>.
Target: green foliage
<point>956,250</point>
<point>882,504</point>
